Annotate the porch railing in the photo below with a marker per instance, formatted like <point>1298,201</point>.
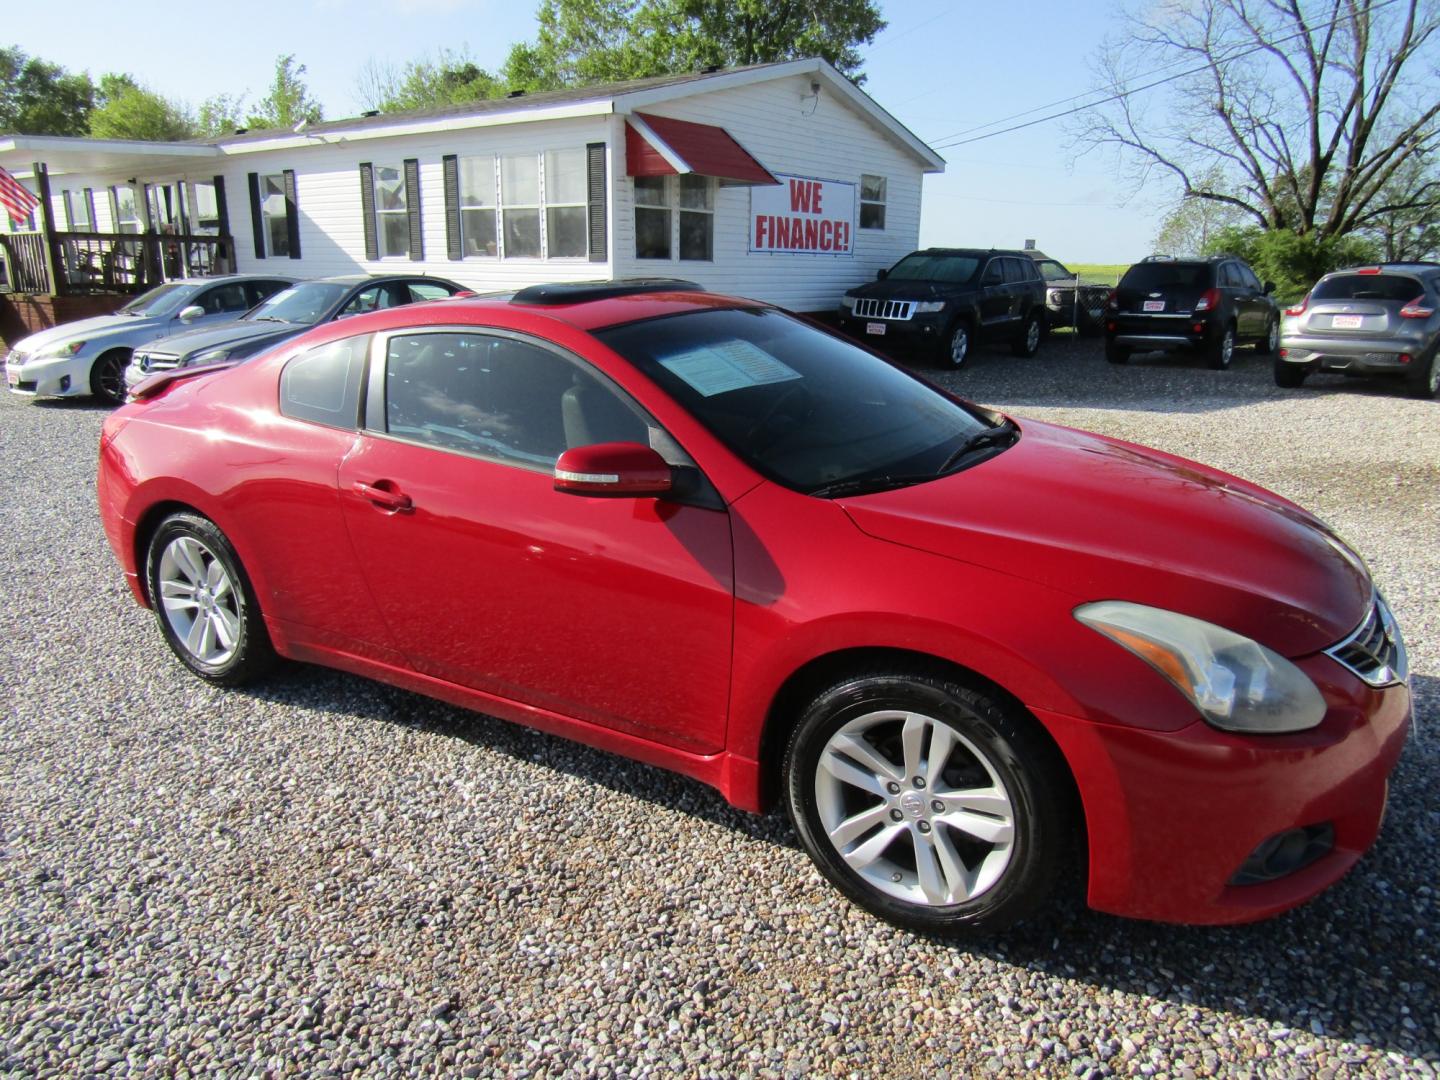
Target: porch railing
<point>96,262</point>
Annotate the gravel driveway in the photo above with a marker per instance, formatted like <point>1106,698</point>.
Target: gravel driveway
<point>323,875</point>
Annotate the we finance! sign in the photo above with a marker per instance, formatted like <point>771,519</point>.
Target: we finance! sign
<point>803,216</point>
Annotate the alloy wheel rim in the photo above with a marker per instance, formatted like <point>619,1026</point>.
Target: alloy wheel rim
<point>959,346</point>
<point>199,601</point>
<point>914,808</point>
<point>1434,383</point>
<point>1032,337</point>
<point>1227,347</point>
<point>112,379</point>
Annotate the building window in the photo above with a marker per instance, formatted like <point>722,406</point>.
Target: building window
<point>565,204</point>
<point>477,205</point>
<point>697,218</point>
<point>872,202</point>
<point>392,211</point>
<point>204,208</point>
<point>122,198</point>
<point>520,205</point>
<point>652,218</point>
<point>77,212</point>
<point>275,215</point>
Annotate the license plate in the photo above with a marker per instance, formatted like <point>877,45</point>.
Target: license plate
<point>1154,305</point>
<point>1346,322</point>
<point>875,328</point>
<point>12,377</point>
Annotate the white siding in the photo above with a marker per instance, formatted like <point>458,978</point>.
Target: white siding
<point>827,140</point>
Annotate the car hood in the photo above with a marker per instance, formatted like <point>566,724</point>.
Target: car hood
<point>85,330</point>
<point>1099,519</point>
<point>231,333</point>
<point>906,290</point>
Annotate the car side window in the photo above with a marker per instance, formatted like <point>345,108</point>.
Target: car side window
<point>1015,272</point>
<point>500,398</point>
<point>1229,279</point>
<point>262,290</point>
<point>322,385</point>
<point>1247,276</point>
<point>994,273</point>
<point>228,297</point>
<point>428,290</point>
<point>372,299</point>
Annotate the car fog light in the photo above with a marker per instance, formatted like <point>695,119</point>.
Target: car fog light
<point>64,382</point>
<point>1284,853</point>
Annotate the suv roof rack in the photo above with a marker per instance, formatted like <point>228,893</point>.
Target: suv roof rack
<point>557,294</point>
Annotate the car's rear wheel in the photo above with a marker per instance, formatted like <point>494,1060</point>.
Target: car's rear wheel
<point>1427,382</point>
<point>927,802</point>
<point>957,345</point>
<point>1290,375</point>
<point>1116,354</point>
<point>1027,342</point>
<point>1270,343</point>
<point>107,375</point>
<point>204,602</point>
<point>1222,350</point>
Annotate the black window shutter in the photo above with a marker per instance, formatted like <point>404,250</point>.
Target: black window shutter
<point>222,208</point>
<point>412,203</point>
<point>90,207</point>
<point>453,247</point>
<point>292,214</point>
<point>595,166</point>
<point>257,223</point>
<point>367,209</point>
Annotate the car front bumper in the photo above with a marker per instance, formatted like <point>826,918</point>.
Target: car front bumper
<point>919,331</point>
<point>1370,356</point>
<point>61,376</point>
<point>1172,817</point>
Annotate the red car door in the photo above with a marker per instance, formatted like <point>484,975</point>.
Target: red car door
<point>614,611</point>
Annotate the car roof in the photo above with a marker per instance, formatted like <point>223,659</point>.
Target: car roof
<point>982,252</point>
<point>1417,267</point>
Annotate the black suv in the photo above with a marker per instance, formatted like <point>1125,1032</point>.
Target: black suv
<point>945,300</point>
<point>1069,301</point>
<point>1205,305</point>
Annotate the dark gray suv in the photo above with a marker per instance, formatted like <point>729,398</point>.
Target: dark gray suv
<point>1370,320</point>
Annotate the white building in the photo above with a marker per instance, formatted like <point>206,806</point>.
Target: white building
<point>779,181</point>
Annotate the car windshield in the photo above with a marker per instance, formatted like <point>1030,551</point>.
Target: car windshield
<point>160,300</point>
<point>1164,275</point>
<point>800,406</point>
<point>1051,270</point>
<point>302,304</point>
<point>956,269</point>
<point>1369,287</point>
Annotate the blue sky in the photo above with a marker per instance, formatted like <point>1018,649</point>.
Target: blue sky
<point>941,68</point>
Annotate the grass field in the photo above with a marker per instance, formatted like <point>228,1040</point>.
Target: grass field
<point>1100,273</point>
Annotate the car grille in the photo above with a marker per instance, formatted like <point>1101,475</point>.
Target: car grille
<point>156,361</point>
<point>898,310</point>
<point>1375,651</point>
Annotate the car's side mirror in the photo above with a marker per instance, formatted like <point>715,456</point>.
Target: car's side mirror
<point>1269,287</point>
<point>615,470</point>
<point>191,313</point>
<point>881,275</point>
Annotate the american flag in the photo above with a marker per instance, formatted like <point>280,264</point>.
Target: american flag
<point>17,199</point>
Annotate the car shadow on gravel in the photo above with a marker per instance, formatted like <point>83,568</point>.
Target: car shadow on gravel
<point>1360,963</point>
<point>73,404</point>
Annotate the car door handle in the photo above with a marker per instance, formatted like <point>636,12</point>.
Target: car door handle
<point>390,500</point>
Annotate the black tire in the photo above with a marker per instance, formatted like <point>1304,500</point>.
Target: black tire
<point>1426,382</point>
<point>107,375</point>
<point>955,349</point>
<point>1222,350</point>
<point>1269,345</point>
<point>1027,342</point>
<point>251,654</point>
<point>1018,760</point>
<point>1290,375</point>
<point>1116,354</point>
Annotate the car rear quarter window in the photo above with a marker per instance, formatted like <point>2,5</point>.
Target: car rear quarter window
<point>1397,287</point>
<point>323,384</point>
<point>428,290</point>
<point>1166,275</point>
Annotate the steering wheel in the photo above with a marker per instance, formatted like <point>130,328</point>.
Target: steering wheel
<point>776,407</point>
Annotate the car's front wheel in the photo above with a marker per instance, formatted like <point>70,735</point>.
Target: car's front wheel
<point>107,375</point>
<point>204,602</point>
<point>957,345</point>
<point>927,802</point>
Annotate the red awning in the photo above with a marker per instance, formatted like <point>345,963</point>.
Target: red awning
<point>659,146</point>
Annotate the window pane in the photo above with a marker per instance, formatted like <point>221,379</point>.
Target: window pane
<point>323,384</point>
<point>394,234</point>
<point>477,231</point>
<point>650,191</point>
<point>567,230</point>
<point>231,297</point>
<point>389,188</point>
<point>696,235</point>
<point>872,188</point>
<point>277,236</point>
<point>872,215</point>
<point>477,181</point>
<point>652,234</point>
<point>427,290</point>
<point>565,176</point>
<point>522,234</point>
<point>520,180</point>
<point>695,193</point>
<point>206,209</point>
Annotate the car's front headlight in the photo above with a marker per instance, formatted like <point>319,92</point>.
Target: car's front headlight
<point>929,307</point>
<point>214,356</point>
<point>848,303</point>
<point>59,352</point>
<point>1237,684</point>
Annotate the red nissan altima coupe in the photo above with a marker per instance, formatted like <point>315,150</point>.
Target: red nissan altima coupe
<point>967,651</point>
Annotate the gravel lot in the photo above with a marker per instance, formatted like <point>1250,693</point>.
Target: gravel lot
<point>325,875</point>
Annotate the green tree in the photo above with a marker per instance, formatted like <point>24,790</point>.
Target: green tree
<point>288,101</point>
<point>220,115</point>
<point>126,110</point>
<point>1293,262</point>
<point>1193,222</point>
<point>589,41</point>
<point>40,98</point>
<point>448,78</point>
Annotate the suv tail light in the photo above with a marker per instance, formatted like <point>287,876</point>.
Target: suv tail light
<point>1299,309</point>
<point>1209,300</point>
<point>1111,303</point>
<point>1414,310</point>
